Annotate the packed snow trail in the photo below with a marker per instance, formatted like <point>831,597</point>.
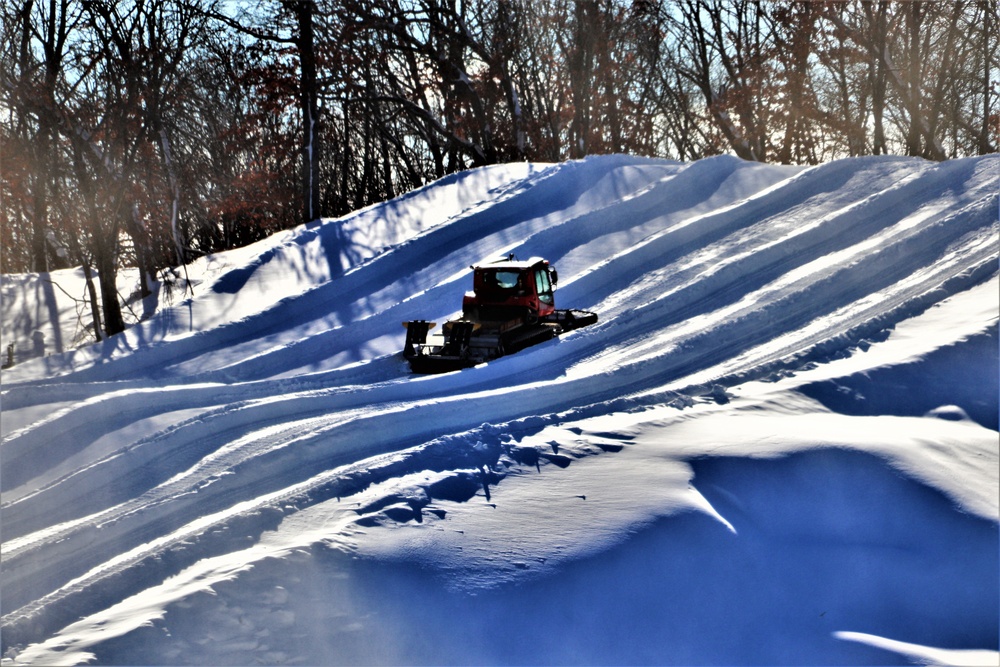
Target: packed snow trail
<point>128,461</point>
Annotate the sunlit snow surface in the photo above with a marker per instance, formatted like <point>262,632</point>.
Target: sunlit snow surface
<point>779,445</point>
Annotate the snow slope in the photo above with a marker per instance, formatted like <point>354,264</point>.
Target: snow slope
<point>778,446</point>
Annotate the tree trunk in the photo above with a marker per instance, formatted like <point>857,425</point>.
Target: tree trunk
<point>988,47</point>
<point>175,194</point>
<point>114,323</point>
<point>95,312</point>
<point>309,106</point>
<point>581,77</point>
<point>911,82</point>
<point>40,199</point>
<point>880,37</point>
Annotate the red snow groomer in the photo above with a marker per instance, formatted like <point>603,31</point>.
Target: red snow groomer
<point>512,307</point>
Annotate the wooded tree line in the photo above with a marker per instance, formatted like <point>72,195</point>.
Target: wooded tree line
<point>149,132</point>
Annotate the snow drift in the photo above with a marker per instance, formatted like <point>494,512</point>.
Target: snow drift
<point>779,444</point>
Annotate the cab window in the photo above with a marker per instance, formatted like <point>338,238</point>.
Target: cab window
<point>543,286</point>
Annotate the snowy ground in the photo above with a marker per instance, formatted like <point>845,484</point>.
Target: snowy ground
<point>779,445</point>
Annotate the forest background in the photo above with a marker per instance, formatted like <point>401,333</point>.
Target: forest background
<point>147,133</point>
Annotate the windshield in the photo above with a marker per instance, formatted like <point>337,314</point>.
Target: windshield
<point>506,279</point>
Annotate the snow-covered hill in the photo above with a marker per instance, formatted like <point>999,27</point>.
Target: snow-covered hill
<point>778,445</point>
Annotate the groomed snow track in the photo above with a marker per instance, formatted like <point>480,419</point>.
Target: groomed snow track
<point>127,462</point>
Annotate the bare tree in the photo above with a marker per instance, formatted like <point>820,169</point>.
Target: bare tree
<point>925,53</point>
<point>35,48</point>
